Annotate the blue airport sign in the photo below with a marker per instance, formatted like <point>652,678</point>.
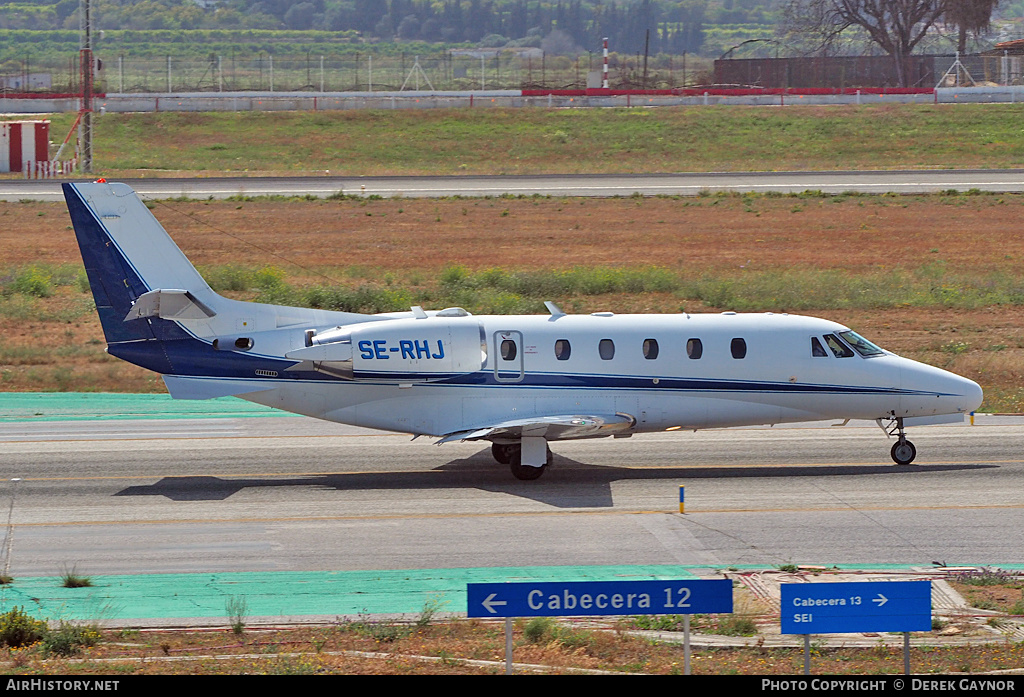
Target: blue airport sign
<point>873,606</point>
<point>573,599</point>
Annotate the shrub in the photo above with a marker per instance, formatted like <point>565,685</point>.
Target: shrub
<point>237,607</point>
<point>380,631</point>
<point>34,281</point>
<point>18,628</point>
<point>69,639</point>
<point>538,629</point>
<point>986,577</point>
<point>731,625</point>
<point>71,579</point>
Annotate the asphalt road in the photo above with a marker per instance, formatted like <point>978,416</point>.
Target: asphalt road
<point>682,184</point>
<point>263,494</point>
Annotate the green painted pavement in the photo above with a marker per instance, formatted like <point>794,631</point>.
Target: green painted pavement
<point>288,594</point>
<point>74,406</point>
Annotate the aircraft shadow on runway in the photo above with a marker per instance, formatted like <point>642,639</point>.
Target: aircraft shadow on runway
<point>567,484</point>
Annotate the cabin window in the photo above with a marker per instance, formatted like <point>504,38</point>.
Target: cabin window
<point>817,350</point>
<point>840,349</point>
<point>508,350</point>
<point>650,349</point>
<point>694,348</point>
<point>562,349</point>
<point>738,348</point>
<point>607,349</point>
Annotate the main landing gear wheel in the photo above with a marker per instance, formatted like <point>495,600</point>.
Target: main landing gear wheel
<point>526,472</point>
<point>502,452</point>
<point>903,452</point>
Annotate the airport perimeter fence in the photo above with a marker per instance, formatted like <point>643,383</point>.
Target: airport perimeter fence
<point>456,70</point>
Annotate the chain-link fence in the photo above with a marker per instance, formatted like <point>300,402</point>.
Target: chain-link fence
<point>457,70</point>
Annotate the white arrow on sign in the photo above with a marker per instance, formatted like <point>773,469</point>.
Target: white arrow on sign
<point>881,600</point>
<point>490,603</point>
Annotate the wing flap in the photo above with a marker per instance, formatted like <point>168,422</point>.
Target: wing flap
<point>553,427</point>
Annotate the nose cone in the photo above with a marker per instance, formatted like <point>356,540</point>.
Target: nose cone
<point>973,396</point>
<point>928,390</point>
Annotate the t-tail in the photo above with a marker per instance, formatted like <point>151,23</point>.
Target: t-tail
<point>158,312</point>
<point>127,254</point>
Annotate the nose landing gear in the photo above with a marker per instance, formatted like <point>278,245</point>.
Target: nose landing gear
<point>903,451</point>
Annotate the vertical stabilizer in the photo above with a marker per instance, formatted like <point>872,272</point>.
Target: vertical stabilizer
<point>158,312</point>
<point>127,253</point>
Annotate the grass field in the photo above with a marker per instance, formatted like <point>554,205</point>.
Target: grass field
<point>534,141</point>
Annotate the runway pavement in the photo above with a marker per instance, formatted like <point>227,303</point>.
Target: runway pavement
<point>288,493</point>
<point>668,184</point>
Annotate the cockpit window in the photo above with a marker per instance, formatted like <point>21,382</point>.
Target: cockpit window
<point>860,344</point>
<point>817,350</point>
<point>840,349</point>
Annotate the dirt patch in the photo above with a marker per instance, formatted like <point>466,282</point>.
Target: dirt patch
<point>1007,598</point>
<point>702,235</point>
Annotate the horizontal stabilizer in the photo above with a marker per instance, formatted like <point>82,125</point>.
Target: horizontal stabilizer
<point>557,427</point>
<point>169,304</point>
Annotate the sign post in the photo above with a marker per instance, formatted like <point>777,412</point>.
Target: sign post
<point>840,608</point>
<point>598,598</point>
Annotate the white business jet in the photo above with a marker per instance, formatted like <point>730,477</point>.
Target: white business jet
<point>518,382</point>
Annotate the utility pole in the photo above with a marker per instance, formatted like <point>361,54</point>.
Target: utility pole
<point>86,66</point>
<point>647,51</point>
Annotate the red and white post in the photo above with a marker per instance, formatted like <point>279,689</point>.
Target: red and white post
<point>604,78</point>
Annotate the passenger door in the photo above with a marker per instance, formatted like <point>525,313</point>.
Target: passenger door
<point>508,356</point>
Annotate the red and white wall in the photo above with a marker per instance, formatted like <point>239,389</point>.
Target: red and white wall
<point>22,141</point>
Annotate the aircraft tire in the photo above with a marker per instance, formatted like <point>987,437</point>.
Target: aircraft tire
<point>525,472</point>
<point>903,452</point>
<point>502,452</point>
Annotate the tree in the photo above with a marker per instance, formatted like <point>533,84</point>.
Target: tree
<point>896,26</point>
<point>409,27</point>
<point>300,16</point>
<point>969,17</point>
<point>559,43</point>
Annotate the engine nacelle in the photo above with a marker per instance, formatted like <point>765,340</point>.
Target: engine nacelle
<point>410,350</point>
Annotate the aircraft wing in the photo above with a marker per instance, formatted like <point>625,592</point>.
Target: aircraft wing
<point>556,427</point>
